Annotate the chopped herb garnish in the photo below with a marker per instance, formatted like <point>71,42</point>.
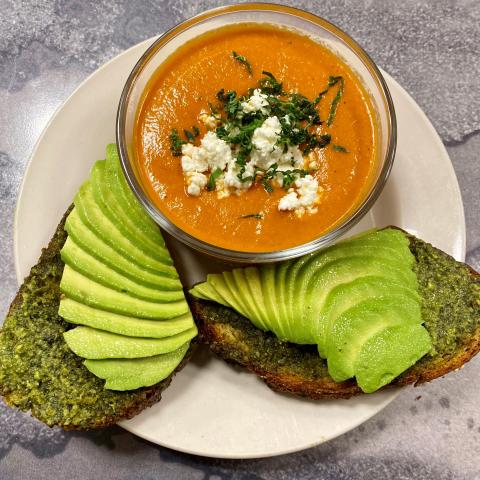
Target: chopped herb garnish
<point>213,108</point>
<point>299,121</point>
<point>270,85</point>
<point>192,135</point>
<point>176,143</point>
<point>333,108</point>
<point>339,148</point>
<point>213,178</point>
<point>243,61</point>
<point>258,216</point>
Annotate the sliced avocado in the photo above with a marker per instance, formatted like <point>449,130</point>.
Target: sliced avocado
<point>83,290</point>
<point>236,292</point>
<point>207,292</point>
<point>129,374</point>
<point>354,327</point>
<point>387,354</point>
<point>244,291</point>
<point>81,314</point>
<point>347,295</point>
<point>111,208</point>
<point>343,270</point>
<point>340,298</point>
<point>267,279</point>
<point>282,299</point>
<point>254,284</point>
<point>87,265</point>
<point>167,279</point>
<point>389,239</point>
<point>91,343</point>
<point>307,271</point>
<point>92,216</point>
<point>218,283</point>
<point>117,183</point>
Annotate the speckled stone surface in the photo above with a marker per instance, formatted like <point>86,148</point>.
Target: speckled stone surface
<point>432,48</point>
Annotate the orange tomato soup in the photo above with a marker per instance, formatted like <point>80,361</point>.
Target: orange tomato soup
<point>181,90</point>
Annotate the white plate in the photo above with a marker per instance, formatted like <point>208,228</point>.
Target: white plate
<point>211,408</point>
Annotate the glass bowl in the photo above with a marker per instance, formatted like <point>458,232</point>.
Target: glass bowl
<point>304,22</point>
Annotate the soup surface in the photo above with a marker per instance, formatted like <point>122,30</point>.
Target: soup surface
<point>185,87</point>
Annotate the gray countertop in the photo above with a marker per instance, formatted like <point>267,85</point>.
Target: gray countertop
<point>432,48</point>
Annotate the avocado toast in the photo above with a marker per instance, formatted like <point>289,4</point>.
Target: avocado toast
<point>450,309</point>
<point>101,324</point>
<point>38,371</point>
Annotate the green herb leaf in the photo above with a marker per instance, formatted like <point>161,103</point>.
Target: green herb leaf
<point>213,108</point>
<point>176,143</point>
<point>258,216</point>
<point>339,148</point>
<point>270,85</point>
<point>243,61</point>
<point>213,178</point>
<point>333,107</point>
<point>192,135</point>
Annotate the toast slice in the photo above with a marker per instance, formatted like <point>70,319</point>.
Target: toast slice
<point>40,374</point>
<point>450,293</point>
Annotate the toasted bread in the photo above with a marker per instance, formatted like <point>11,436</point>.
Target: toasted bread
<point>38,372</point>
<point>450,293</point>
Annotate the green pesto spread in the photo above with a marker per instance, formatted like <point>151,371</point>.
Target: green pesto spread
<point>38,372</point>
<point>245,344</point>
<point>450,298</point>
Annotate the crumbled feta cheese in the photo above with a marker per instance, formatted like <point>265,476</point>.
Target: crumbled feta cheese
<point>212,153</point>
<point>307,188</point>
<point>258,101</point>
<point>222,190</point>
<point>193,159</point>
<point>264,139</point>
<point>289,202</point>
<point>292,158</point>
<point>303,198</point>
<point>217,151</point>
<point>231,176</point>
<point>210,121</point>
<point>196,183</point>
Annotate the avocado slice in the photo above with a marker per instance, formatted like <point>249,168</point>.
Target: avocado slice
<point>87,265</point>
<point>129,374</point>
<point>93,217</point>
<point>91,343</point>
<point>283,301</point>
<point>166,279</point>
<point>246,291</point>
<point>81,314</point>
<point>304,279</point>
<point>390,352</point>
<point>111,208</point>
<point>345,296</point>
<point>269,291</point>
<point>207,292</point>
<point>219,284</point>
<point>80,288</point>
<point>255,291</point>
<point>354,327</point>
<point>117,183</point>
<point>313,296</point>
